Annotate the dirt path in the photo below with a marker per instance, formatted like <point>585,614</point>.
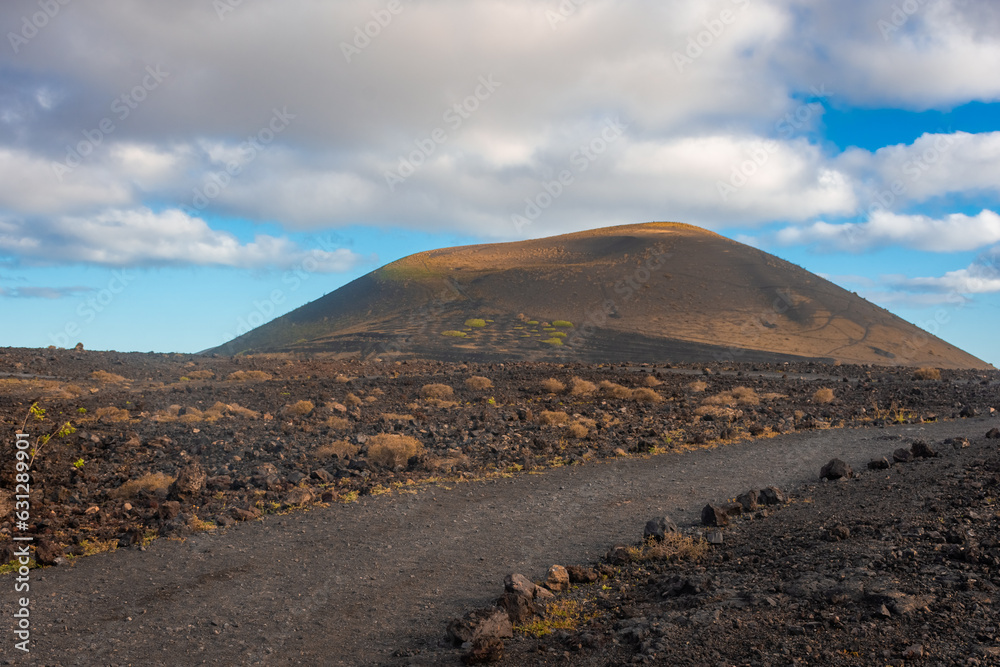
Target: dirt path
<point>349,584</point>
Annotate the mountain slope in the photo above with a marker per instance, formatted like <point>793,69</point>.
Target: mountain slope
<point>649,292</point>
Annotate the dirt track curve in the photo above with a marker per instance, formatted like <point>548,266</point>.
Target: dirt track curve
<point>350,584</point>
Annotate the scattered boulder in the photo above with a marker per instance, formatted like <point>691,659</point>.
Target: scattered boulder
<point>298,496</point>
<point>322,475</point>
<point>481,625</point>
<point>968,411</point>
<point>520,609</point>
<point>712,515</point>
<point>902,455</point>
<point>484,652</point>
<point>657,529</point>
<point>838,532</point>
<point>772,495</point>
<point>518,584</point>
<point>879,464</point>
<point>748,500</point>
<point>618,555</point>
<point>558,579</point>
<point>189,483</point>
<point>169,510</point>
<point>582,575</point>
<point>48,553</point>
<point>714,537</point>
<point>836,469</point>
<point>957,443</point>
<point>921,450</point>
<point>241,514</point>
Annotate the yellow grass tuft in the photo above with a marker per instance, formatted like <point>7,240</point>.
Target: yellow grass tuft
<point>646,395</point>
<point>339,448</point>
<point>478,383</point>
<point>337,423</point>
<point>927,373</point>
<point>553,417</point>
<point>300,408</point>
<point>577,430</point>
<point>698,386</point>
<point>112,414</point>
<point>389,450</point>
<point>442,392</point>
<point>613,390</point>
<point>823,395</point>
<point>249,376</point>
<point>553,386</point>
<point>651,381</point>
<point>581,387</point>
<point>156,482</point>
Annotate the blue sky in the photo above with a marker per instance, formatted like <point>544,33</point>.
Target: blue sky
<point>170,173</point>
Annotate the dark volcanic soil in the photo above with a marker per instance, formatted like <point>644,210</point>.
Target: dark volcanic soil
<point>243,447</point>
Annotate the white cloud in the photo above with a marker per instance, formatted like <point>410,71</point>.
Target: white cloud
<point>130,237</point>
<point>954,233</point>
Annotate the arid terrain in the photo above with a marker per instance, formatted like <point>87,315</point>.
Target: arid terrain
<point>175,457</point>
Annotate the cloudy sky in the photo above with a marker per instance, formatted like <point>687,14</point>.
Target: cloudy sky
<point>172,171</point>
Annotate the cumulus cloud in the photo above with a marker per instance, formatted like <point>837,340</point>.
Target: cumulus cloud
<point>43,292</point>
<point>953,233</point>
<point>699,85</point>
<point>980,277</point>
<point>134,237</point>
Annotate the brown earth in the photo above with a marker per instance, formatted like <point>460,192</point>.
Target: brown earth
<point>655,292</point>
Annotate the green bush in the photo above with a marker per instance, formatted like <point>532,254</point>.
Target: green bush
<point>454,334</point>
<point>554,342</point>
<point>475,323</point>
<point>562,324</point>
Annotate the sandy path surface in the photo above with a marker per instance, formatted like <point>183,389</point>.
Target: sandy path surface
<point>349,584</point>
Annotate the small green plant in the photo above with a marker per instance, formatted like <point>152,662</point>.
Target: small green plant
<point>491,401</point>
<point>563,324</point>
<point>455,334</point>
<point>475,323</point>
<point>554,342</point>
<point>533,322</point>
<point>82,411</point>
<point>560,615</point>
<point>78,464</point>
<point>185,378</point>
<point>38,413</point>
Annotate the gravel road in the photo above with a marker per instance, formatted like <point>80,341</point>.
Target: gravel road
<point>350,584</point>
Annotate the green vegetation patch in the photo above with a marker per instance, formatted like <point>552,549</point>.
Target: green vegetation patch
<point>554,342</point>
<point>533,322</point>
<point>563,324</point>
<point>455,334</point>
<point>475,323</point>
<point>559,334</point>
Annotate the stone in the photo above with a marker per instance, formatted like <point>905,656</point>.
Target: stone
<point>520,609</point>
<point>658,528</point>
<point>921,450</point>
<point>48,553</point>
<point>558,579</point>
<point>914,651</point>
<point>241,514</point>
<point>714,516</point>
<point>618,555</point>
<point>772,495</point>
<point>839,532</point>
<point>582,575</point>
<point>748,500</point>
<point>836,469</point>
<point>322,475</point>
<point>879,464</point>
<point>902,455</point>
<point>484,652</point>
<point>298,496</point>
<point>169,510</point>
<point>481,625</point>
<point>542,593</point>
<point>968,411</point>
<point>993,434</point>
<point>189,483</point>
<point>714,537</point>
<point>295,477</point>
<point>519,584</point>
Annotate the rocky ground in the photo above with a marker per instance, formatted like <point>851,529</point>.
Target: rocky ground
<point>173,444</point>
<point>895,565</point>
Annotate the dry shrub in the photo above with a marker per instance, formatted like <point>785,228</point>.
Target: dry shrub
<point>553,386</point>
<point>300,408</point>
<point>337,423</point>
<point>437,403</point>
<point>168,415</point>
<point>339,448</point>
<point>698,386</point>
<point>612,390</point>
<point>553,417</point>
<point>201,375</point>
<point>737,396</point>
<point>581,387</point>
<point>396,417</point>
<point>442,392</point>
<point>352,400</point>
<point>577,430</point>
<point>927,374</point>
<point>823,395</point>
<point>104,376</point>
<point>371,399</point>
<point>651,381</point>
<point>238,410</point>
<point>719,412</point>
<point>342,379</point>
<point>674,547</point>
<point>646,395</point>
<point>157,482</point>
<point>478,383</point>
<point>377,391</point>
<point>447,463</point>
<point>112,414</point>
<point>248,376</point>
<point>773,396</point>
<point>389,450</point>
